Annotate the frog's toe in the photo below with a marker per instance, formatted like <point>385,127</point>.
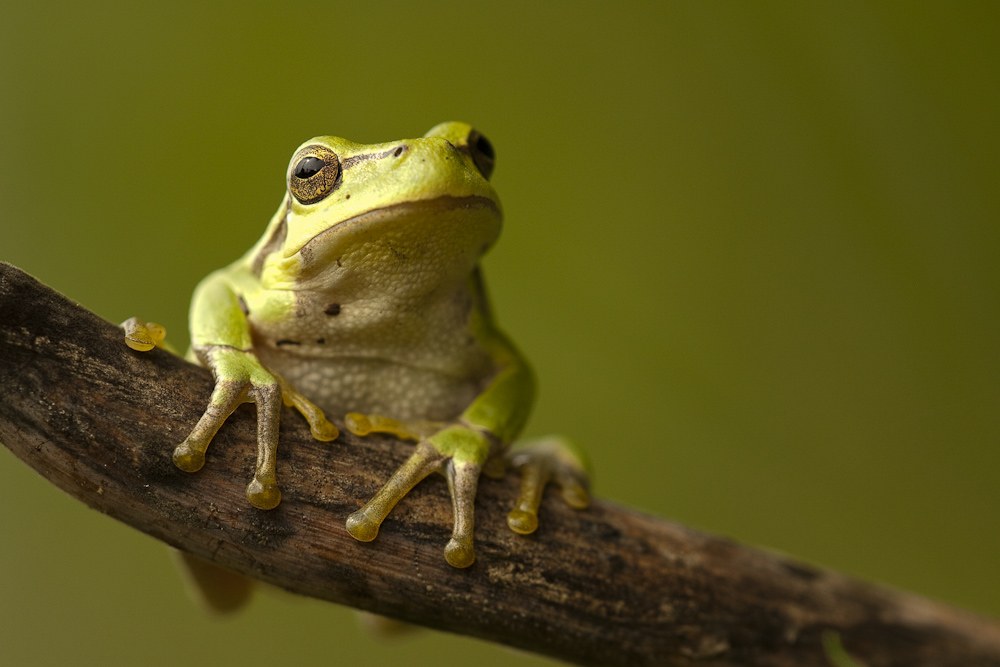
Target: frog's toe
<point>539,462</point>
<point>574,491</point>
<point>323,430</point>
<point>319,425</point>
<point>523,520</point>
<point>363,525</point>
<point>188,458</point>
<point>263,492</point>
<point>263,495</point>
<point>360,424</point>
<point>463,480</point>
<point>535,474</point>
<point>460,553</point>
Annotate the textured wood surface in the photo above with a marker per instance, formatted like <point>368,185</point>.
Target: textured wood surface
<point>605,586</point>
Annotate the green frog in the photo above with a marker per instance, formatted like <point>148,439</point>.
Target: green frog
<point>364,301</point>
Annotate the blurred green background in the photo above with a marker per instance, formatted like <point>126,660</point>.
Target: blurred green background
<point>752,249</point>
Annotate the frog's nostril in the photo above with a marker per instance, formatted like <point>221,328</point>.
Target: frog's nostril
<point>397,152</point>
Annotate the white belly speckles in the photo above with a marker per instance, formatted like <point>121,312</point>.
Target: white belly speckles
<point>374,386</point>
<point>413,359</point>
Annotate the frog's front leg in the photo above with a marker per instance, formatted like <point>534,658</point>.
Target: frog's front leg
<point>239,378</point>
<point>458,452</point>
<point>221,341</point>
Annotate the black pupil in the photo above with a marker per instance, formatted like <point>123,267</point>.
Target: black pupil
<point>308,167</point>
<point>485,147</point>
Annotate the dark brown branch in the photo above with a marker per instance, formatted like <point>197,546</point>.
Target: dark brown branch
<point>606,586</point>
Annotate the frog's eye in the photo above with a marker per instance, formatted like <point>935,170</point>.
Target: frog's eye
<point>308,167</point>
<point>481,151</point>
<point>313,174</point>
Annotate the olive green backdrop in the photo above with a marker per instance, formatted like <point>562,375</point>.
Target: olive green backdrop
<point>752,249</point>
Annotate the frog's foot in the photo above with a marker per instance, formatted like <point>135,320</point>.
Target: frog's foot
<point>143,336</point>
<point>213,588</point>
<point>383,627</point>
<point>457,452</point>
<point>552,458</point>
<point>241,379</point>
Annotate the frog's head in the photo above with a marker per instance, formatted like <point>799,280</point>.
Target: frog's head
<point>425,201</point>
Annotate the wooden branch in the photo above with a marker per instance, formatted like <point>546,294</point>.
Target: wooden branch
<point>605,586</point>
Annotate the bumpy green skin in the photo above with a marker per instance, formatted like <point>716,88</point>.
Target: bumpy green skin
<point>364,296</point>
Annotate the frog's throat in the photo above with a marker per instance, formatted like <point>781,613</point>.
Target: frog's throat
<point>444,231</point>
<point>474,204</point>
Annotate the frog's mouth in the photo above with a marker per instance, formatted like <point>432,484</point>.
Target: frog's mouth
<point>442,227</point>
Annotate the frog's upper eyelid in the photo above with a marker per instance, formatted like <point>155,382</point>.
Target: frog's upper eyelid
<point>349,162</point>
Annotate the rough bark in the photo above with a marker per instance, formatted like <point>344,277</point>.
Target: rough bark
<point>605,586</point>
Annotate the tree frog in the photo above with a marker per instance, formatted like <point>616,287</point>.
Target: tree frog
<point>364,300</point>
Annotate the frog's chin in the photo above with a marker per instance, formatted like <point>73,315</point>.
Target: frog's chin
<point>428,234</point>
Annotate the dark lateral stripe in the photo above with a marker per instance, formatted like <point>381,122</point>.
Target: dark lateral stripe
<point>285,341</point>
<point>274,243</point>
<point>347,163</point>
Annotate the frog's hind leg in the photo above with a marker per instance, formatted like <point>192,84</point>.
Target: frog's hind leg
<point>552,458</point>
<point>215,589</point>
